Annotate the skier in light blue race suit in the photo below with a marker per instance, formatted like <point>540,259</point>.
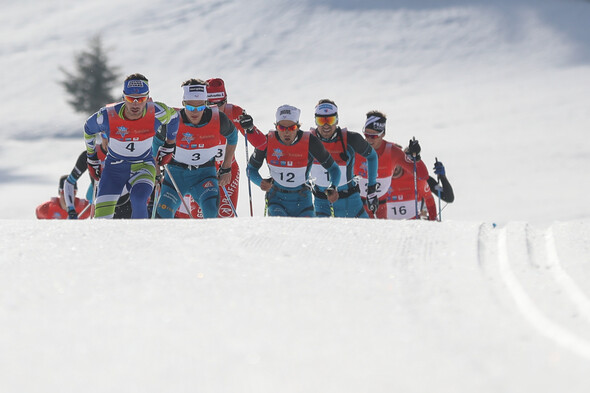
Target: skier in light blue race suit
<point>130,127</point>
<point>342,145</point>
<point>289,153</point>
<point>200,141</point>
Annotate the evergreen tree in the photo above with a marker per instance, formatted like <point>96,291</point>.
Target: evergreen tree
<point>92,82</point>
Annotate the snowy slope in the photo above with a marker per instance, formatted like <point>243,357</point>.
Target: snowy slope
<point>266,305</point>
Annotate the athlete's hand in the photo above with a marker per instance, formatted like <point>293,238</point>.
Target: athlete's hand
<point>165,153</point>
<point>266,184</point>
<point>439,168</point>
<point>224,176</point>
<point>332,194</point>
<point>414,149</point>
<point>72,214</point>
<point>247,122</point>
<point>372,199</point>
<point>94,167</point>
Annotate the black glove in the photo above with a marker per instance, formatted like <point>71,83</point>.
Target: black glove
<point>372,199</point>
<point>246,122</point>
<point>439,168</point>
<point>72,214</point>
<point>414,149</point>
<point>165,153</point>
<point>94,167</point>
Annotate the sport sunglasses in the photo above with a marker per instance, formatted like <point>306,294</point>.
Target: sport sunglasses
<point>191,108</point>
<point>293,127</point>
<point>131,99</point>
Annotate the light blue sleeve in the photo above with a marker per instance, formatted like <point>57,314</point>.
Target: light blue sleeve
<point>334,172</point>
<point>372,166</point>
<point>254,174</point>
<point>232,139</point>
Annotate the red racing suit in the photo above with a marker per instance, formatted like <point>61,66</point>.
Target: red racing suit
<point>52,210</point>
<point>395,184</point>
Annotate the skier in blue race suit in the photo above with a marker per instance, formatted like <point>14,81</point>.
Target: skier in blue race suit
<point>204,134</point>
<point>130,127</point>
<point>289,153</point>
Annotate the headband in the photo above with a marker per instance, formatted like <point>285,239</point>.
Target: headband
<point>194,93</point>
<point>376,123</point>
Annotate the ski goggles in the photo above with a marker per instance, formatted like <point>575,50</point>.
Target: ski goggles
<point>373,136</point>
<point>293,127</point>
<point>191,108</point>
<point>131,99</point>
<point>323,120</point>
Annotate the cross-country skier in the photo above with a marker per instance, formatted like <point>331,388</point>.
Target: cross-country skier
<point>289,153</point>
<point>342,145</point>
<point>395,185</point>
<point>56,207</point>
<point>217,96</point>
<point>130,127</point>
<point>198,144</point>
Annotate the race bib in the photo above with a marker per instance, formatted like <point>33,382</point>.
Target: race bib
<point>287,176</point>
<point>402,210</point>
<point>320,174</point>
<point>130,149</point>
<point>198,156</point>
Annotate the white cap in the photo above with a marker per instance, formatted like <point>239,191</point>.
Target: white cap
<point>194,93</point>
<point>288,112</point>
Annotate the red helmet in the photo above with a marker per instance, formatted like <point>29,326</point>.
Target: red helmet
<point>216,91</point>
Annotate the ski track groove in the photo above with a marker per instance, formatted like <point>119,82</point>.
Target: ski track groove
<point>531,312</point>
<point>581,301</point>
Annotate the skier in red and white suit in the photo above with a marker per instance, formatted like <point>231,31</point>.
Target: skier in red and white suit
<point>216,95</point>
<point>395,176</point>
<point>56,207</point>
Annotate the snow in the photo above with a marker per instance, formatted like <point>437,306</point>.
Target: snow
<point>494,298</point>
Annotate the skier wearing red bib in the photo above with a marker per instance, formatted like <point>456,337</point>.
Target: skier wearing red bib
<point>56,207</point>
<point>289,153</point>
<point>199,143</point>
<point>130,127</point>
<point>395,179</point>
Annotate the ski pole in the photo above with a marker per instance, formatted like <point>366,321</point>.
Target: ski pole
<point>188,210</point>
<point>247,174</point>
<point>84,210</point>
<point>231,204</point>
<point>94,190</point>
<point>415,181</point>
<point>438,192</point>
<point>156,200</point>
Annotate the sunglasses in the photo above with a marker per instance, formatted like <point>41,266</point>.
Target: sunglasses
<point>373,136</point>
<point>323,120</point>
<point>191,108</point>
<point>293,127</point>
<point>218,104</point>
<point>140,99</point>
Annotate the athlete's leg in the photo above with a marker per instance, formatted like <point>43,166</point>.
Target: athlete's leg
<point>142,180</point>
<point>114,176</point>
<point>205,191</point>
<point>169,200</point>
